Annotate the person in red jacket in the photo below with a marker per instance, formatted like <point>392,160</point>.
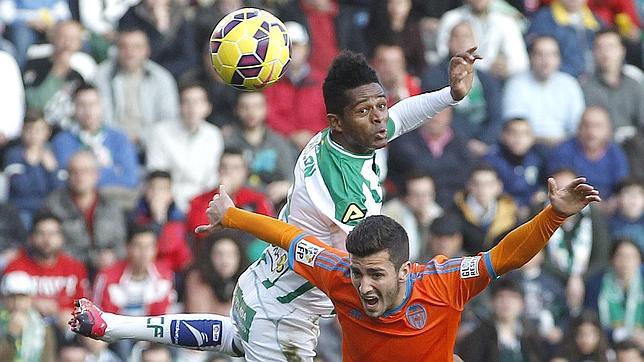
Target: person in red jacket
<point>295,104</point>
<point>139,284</point>
<point>233,172</point>
<point>58,277</point>
<point>158,209</point>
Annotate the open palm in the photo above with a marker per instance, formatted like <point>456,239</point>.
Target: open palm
<point>573,197</point>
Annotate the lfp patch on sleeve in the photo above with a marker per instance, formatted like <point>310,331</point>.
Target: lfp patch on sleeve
<point>470,267</point>
<point>306,252</point>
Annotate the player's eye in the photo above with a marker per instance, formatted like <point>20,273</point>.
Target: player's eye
<point>355,273</point>
<point>382,106</point>
<point>363,111</point>
<point>378,276</point>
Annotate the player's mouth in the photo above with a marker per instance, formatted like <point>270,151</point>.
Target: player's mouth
<point>381,135</point>
<point>370,301</point>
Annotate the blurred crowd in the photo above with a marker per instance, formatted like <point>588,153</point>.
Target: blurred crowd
<point>115,132</point>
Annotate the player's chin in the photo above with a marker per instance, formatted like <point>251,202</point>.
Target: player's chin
<point>373,310</point>
<point>379,143</point>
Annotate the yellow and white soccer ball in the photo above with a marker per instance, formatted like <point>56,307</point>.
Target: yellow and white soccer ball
<point>250,49</point>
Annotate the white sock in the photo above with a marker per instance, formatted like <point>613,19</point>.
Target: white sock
<point>206,332</point>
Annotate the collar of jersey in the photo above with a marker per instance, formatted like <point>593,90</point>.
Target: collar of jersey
<point>402,304</point>
<point>344,151</point>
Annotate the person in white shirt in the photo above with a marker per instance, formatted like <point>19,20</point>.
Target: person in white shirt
<point>189,148</point>
<point>551,100</point>
<point>12,98</point>
<point>498,35</point>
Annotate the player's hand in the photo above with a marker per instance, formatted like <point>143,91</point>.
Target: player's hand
<point>573,197</point>
<point>461,73</point>
<point>216,210</point>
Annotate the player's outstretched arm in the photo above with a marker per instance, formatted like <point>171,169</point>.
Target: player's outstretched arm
<point>411,112</point>
<point>524,242</point>
<point>223,213</point>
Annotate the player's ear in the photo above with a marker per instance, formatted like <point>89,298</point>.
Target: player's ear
<point>404,271</point>
<point>334,122</point>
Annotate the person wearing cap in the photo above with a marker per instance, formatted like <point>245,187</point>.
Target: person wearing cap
<point>295,104</point>
<point>24,335</point>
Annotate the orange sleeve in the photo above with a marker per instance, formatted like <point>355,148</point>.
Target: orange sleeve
<point>524,242</point>
<point>266,228</point>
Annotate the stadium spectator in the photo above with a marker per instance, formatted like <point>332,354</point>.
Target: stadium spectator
<point>550,99</point>
<point>51,81</point>
<point>616,293</point>
<point>389,62</point>
<point>72,352</point>
<point>31,167</point>
<point>487,213</point>
<point>415,209</point>
<point>580,246</point>
<point>24,334</point>
<point>295,105</point>
<point>502,47</point>
<point>518,163</point>
<point>318,17</point>
<point>503,338</point>
<point>139,284</point>
<point>621,14</point>
<point>592,152</point>
<point>573,25</point>
<point>628,351</point>
<point>271,157</point>
<point>98,351</point>
<point>391,22</point>
<point>169,32</point>
<point>445,156</point>
<point>628,220</point>
<point>58,277</point>
<point>94,225</point>
<point>445,237</point>
<point>233,173</point>
<point>116,155</point>
<point>100,19</point>
<point>188,148</point>
<point>29,21</point>
<point>477,118</point>
<point>12,234</point>
<point>12,99</point>
<point>585,341</point>
<point>136,91</point>
<point>156,353</point>
<point>158,210</point>
<point>211,280</point>
<point>545,300</point>
<point>611,88</point>
<point>634,149</point>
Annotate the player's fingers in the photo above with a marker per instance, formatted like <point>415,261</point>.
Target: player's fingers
<point>583,187</point>
<point>593,198</point>
<point>552,186</point>
<point>576,182</point>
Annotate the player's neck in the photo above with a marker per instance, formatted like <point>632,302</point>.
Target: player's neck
<point>340,140</point>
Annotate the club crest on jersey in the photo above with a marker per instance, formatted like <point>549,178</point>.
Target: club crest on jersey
<point>306,252</point>
<point>353,213</point>
<point>470,267</point>
<point>416,316</point>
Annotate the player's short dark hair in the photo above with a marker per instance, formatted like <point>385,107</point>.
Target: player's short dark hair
<point>158,174</point>
<point>377,233</point>
<point>43,215</point>
<point>621,240</point>
<point>138,228</point>
<point>349,70</point>
<point>506,285</point>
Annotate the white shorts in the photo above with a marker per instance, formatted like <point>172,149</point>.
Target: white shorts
<point>287,335</point>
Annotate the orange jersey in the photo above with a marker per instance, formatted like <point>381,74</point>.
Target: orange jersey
<point>422,328</point>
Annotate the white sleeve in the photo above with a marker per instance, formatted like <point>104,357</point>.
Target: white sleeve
<point>12,97</point>
<point>410,113</point>
<point>91,14</point>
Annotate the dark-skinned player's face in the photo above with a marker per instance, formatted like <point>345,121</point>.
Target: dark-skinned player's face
<point>363,123</point>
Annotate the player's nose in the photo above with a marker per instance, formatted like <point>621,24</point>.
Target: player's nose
<point>365,287</point>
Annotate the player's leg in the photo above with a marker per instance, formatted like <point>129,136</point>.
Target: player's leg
<point>209,332</point>
<point>271,331</point>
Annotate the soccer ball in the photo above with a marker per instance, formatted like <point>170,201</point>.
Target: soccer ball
<point>250,49</point>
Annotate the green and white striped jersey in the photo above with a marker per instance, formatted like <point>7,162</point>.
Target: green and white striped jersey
<point>333,190</point>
